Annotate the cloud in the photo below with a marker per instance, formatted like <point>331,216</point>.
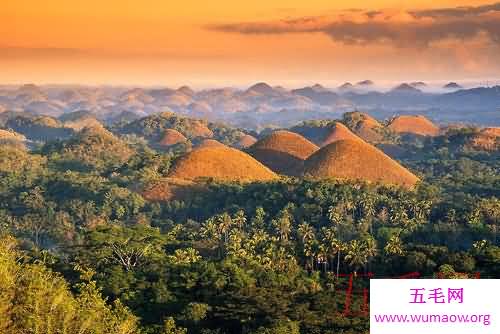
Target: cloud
<point>457,11</point>
<point>400,28</point>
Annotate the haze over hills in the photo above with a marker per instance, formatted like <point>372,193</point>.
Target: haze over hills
<point>258,106</point>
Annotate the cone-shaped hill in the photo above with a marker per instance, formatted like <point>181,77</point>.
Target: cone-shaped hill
<point>357,160</point>
<point>79,120</point>
<point>172,137</point>
<point>171,189</point>
<point>283,151</point>
<point>323,132</point>
<point>487,139</point>
<point>12,138</point>
<point>220,163</point>
<point>154,127</point>
<point>11,135</point>
<point>491,131</point>
<point>339,131</point>
<point>40,128</point>
<point>200,129</point>
<point>365,126</point>
<point>245,141</point>
<point>417,125</point>
<point>93,148</point>
<point>210,143</point>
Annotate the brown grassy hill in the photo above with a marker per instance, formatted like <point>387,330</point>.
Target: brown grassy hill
<point>283,151</point>
<point>357,160</point>
<point>491,131</point>
<point>484,141</point>
<point>365,126</point>
<point>210,143</point>
<point>11,135</point>
<point>246,141</point>
<point>418,125</point>
<point>12,139</point>
<point>338,131</point>
<point>220,163</point>
<point>40,128</point>
<point>170,189</point>
<point>80,124</point>
<point>369,131</point>
<point>19,161</point>
<point>95,148</point>
<point>172,137</point>
<point>199,129</point>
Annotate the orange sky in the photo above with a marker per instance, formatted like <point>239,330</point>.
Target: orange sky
<point>169,43</point>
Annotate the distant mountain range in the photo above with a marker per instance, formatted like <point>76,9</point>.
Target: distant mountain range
<point>258,106</point>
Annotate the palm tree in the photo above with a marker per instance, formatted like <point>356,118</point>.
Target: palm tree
<point>283,225</point>
<point>240,219</point>
<point>357,255</point>
<point>340,247</point>
<point>307,236</point>
<point>367,210</point>
<point>394,246</point>
<point>224,226</point>
<point>322,255</point>
<point>371,249</point>
<point>336,219</point>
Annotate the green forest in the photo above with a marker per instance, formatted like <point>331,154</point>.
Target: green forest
<point>83,251</point>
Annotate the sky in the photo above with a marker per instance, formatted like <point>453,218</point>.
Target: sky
<point>233,43</point>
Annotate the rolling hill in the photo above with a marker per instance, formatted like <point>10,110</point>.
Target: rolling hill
<point>357,160</point>
<point>417,125</point>
<point>92,148</point>
<point>246,141</point>
<point>283,151</point>
<point>172,137</point>
<point>365,126</point>
<point>338,131</point>
<point>220,163</point>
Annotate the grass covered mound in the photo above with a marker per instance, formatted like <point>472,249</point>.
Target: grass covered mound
<point>491,131</point>
<point>92,148</point>
<point>210,143</point>
<point>418,125</point>
<point>283,151</point>
<point>220,163</point>
<point>246,141</point>
<point>357,160</point>
<point>485,140</point>
<point>339,131</point>
<point>365,126</point>
<point>172,137</point>
<point>11,135</point>
<point>324,132</point>
<point>169,189</point>
<point>39,128</point>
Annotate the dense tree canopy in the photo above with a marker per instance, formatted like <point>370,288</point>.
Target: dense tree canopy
<point>81,250</point>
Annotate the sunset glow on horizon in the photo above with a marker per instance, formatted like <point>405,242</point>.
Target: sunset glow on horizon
<point>156,42</point>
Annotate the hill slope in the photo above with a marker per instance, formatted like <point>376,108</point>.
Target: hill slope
<point>357,160</point>
<point>246,141</point>
<point>339,131</point>
<point>92,148</point>
<point>220,163</point>
<point>418,125</point>
<point>172,137</point>
<point>365,126</point>
<point>283,151</point>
